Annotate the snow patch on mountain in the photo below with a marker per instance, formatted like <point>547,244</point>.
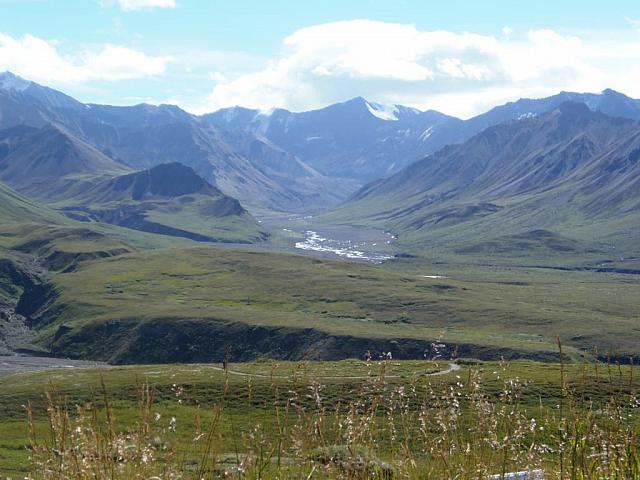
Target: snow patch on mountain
<point>527,115</point>
<point>9,81</point>
<point>382,111</point>
<point>426,134</point>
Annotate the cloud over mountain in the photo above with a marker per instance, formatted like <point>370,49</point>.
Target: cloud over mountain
<point>42,60</point>
<point>459,73</point>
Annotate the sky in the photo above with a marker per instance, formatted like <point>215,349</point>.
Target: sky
<point>458,57</point>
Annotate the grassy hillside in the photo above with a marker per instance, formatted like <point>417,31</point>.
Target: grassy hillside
<point>102,291</point>
<point>16,208</point>
<point>192,304</point>
<point>36,243</point>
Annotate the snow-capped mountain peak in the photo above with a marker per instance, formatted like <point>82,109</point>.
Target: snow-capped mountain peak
<point>9,81</point>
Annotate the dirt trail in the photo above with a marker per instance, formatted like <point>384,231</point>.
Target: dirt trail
<point>18,363</point>
<point>453,367</point>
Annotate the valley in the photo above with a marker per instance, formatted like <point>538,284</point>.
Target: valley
<point>360,290</point>
<point>289,240</point>
<point>519,231</point>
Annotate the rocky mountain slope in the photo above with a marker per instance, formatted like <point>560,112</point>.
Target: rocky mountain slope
<point>364,141</point>
<point>357,140</point>
<point>47,162</point>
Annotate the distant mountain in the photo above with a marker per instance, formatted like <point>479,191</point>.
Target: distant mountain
<point>168,199</point>
<point>26,103</point>
<point>249,168</point>
<point>357,140</point>
<point>281,160</point>
<point>47,162</point>
<point>609,102</point>
<point>570,171</point>
<point>364,141</point>
<point>66,173</point>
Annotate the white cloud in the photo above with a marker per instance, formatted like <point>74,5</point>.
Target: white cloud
<point>456,72</point>
<point>635,23</point>
<point>131,5</point>
<point>39,60</point>
<point>507,30</point>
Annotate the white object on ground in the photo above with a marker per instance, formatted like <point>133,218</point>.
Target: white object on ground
<point>523,475</point>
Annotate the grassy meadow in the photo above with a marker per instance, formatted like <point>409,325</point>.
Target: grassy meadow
<point>482,311</point>
<point>131,297</point>
<point>347,419</point>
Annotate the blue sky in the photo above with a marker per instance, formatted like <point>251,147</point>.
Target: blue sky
<point>460,57</point>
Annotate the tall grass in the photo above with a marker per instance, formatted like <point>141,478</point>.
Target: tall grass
<point>413,429</point>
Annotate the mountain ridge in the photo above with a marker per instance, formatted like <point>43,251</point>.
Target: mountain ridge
<point>44,162</point>
<point>564,171</point>
<point>280,160</point>
<point>349,140</point>
<point>142,136</point>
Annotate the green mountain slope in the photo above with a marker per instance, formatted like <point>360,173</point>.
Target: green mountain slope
<point>16,209</point>
<point>572,173</point>
<point>168,199</point>
<point>57,168</point>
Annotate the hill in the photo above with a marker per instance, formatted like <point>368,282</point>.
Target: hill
<point>34,241</point>
<point>169,199</point>
<point>15,208</point>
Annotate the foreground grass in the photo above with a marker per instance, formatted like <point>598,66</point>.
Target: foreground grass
<point>347,419</point>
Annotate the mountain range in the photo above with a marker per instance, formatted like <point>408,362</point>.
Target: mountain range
<point>278,160</point>
<point>569,173</point>
<point>429,177</point>
<point>364,141</point>
<point>91,196</point>
<point>242,165</point>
